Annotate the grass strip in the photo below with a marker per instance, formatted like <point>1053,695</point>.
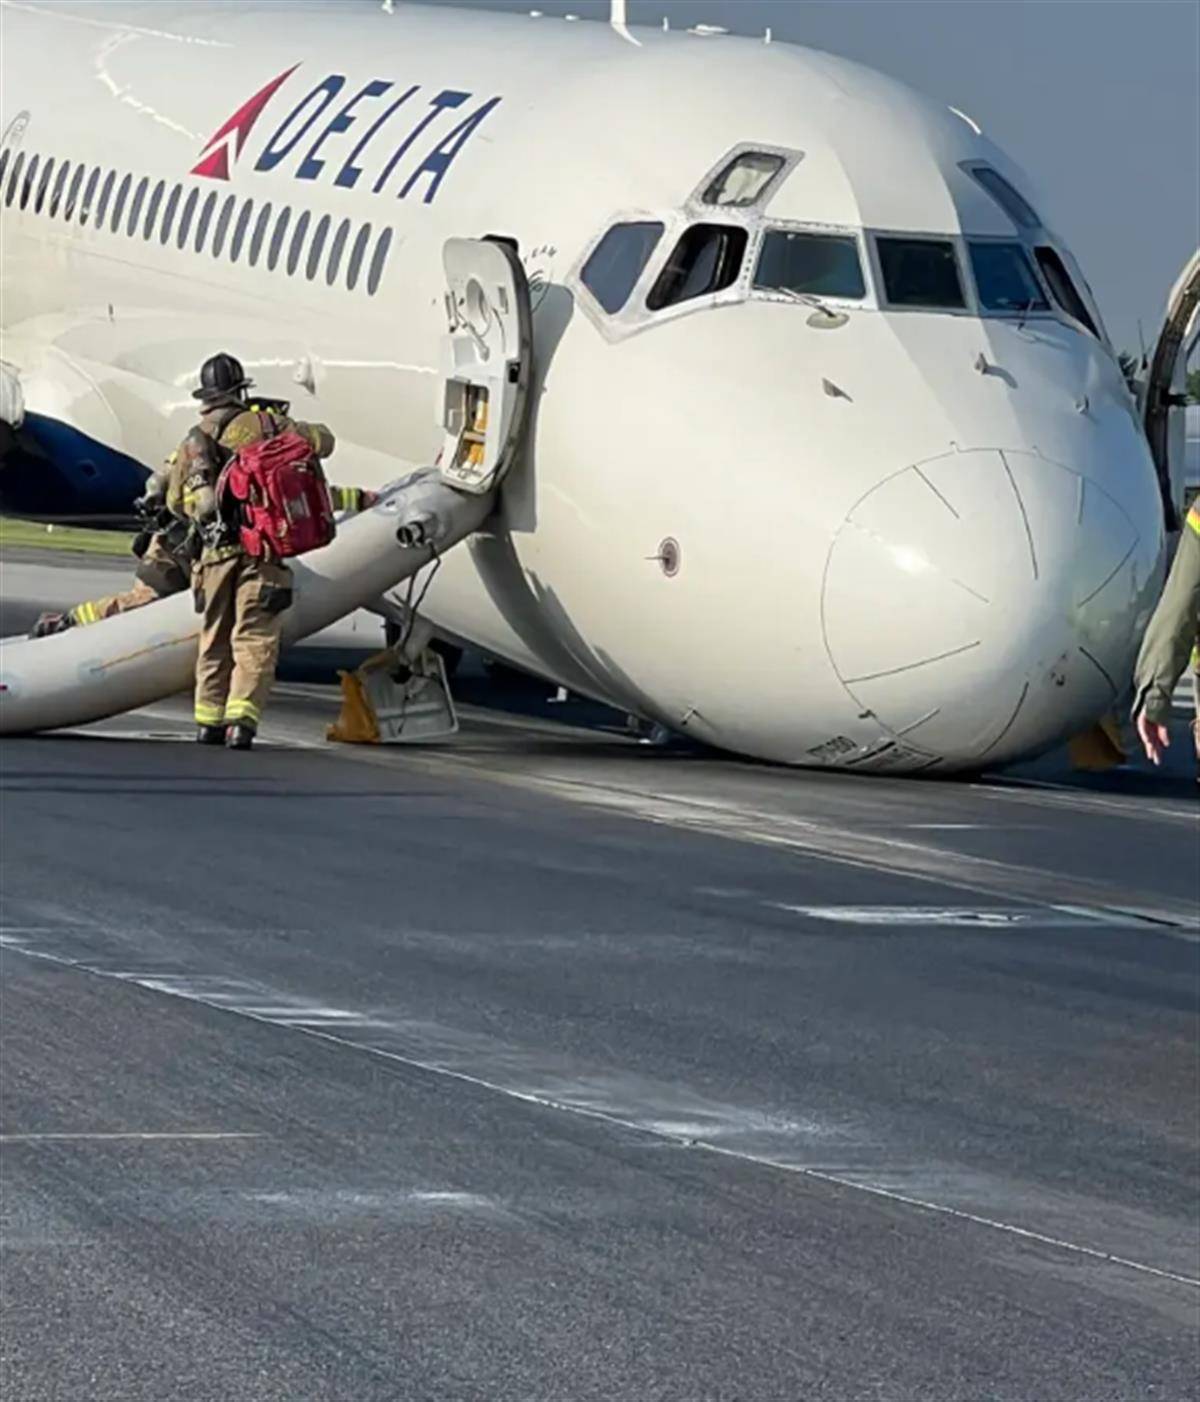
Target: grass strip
<point>34,535</point>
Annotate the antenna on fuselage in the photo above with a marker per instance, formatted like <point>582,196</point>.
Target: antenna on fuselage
<point>618,20</point>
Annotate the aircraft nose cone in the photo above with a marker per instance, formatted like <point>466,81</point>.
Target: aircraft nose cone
<point>984,605</point>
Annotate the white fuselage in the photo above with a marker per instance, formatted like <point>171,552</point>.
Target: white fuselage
<point>902,537</point>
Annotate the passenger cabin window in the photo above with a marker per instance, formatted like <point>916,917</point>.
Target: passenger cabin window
<point>1063,289</point>
<point>105,196</point>
<point>357,254</point>
<point>706,259</point>
<point>204,221</point>
<point>135,208</point>
<point>89,196</point>
<point>744,180</point>
<point>299,234</point>
<point>378,262</point>
<point>259,235</point>
<point>152,209</point>
<point>239,232</point>
<point>617,261</point>
<point>119,206</point>
<point>185,219</point>
<point>335,253</point>
<point>1005,280</point>
<point>1011,201</point>
<point>15,178</point>
<point>317,247</point>
<point>47,172</point>
<point>222,229</point>
<point>30,177</point>
<point>60,186</point>
<point>72,200</point>
<point>275,252</point>
<point>920,273</point>
<point>168,219</point>
<point>822,265</point>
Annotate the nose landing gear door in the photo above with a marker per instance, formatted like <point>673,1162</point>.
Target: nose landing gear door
<point>486,362</point>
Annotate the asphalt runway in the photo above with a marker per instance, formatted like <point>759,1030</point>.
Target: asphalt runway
<point>544,1065</point>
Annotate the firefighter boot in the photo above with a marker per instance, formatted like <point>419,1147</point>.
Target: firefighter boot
<point>51,623</point>
<point>210,735</point>
<point>240,736</point>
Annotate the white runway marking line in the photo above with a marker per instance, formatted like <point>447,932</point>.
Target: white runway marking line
<point>979,917</point>
<point>324,1200</point>
<point>948,827</point>
<point>907,915</point>
<point>642,1127</point>
<point>941,866</point>
<point>1046,793</point>
<point>135,1135</point>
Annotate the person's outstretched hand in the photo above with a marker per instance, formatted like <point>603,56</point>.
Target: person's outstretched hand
<point>1154,737</point>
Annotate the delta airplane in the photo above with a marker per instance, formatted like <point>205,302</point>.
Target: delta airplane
<point>828,459</point>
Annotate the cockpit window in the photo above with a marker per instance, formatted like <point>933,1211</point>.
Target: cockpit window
<point>707,259</point>
<point>1011,201</point>
<point>745,179</point>
<point>1005,279</point>
<point>920,273</point>
<point>1063,289</point>
<point>824,265</point>
<point>617,261</point>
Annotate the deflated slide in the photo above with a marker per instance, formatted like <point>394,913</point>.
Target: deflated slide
<point>86,674</point>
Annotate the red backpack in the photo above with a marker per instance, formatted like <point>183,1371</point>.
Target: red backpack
<point>281,497</point>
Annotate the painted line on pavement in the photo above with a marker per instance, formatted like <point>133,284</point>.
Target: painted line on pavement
<point>963,917</point>
<point>123,1135</point>
<point>824,842</point>
<point>186,991</point>
<point>941,866</point>
<point>1044,793</point>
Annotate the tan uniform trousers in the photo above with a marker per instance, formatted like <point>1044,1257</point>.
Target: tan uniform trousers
<point>93,610</point>
<point>243,602</point>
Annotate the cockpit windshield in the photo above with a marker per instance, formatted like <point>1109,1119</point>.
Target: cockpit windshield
<point>822,265</point>
<point>919,272</point>
<point>1005,278</point>
<point>707,259</point>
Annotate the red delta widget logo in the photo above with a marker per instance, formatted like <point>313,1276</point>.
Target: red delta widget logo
<point>383,132</point>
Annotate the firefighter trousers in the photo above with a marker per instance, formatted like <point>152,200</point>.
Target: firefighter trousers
<point>242,601</point>
<point>93,610</point>
<point>159,559</point>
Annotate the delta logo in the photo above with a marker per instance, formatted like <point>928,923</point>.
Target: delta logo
<point>400,138</point>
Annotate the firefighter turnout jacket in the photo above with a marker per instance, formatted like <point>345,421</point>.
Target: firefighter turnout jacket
<point>1174,631</point>
<point>231,424</point>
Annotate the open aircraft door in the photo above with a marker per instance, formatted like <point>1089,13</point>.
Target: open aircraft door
<point>487,362</point>
<point>1164,398</point>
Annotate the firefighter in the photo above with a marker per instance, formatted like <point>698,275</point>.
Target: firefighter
<point>166,551</point>
<point>1174,631</point>
<point>241,597</point>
